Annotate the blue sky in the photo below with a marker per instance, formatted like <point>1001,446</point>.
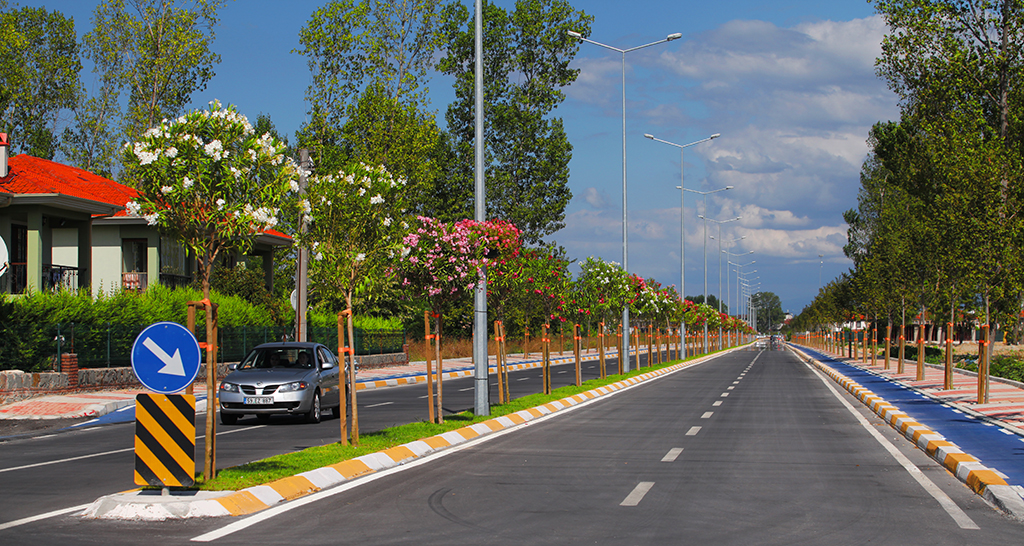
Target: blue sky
<point>789,84</point>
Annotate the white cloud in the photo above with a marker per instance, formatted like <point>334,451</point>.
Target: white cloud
<point>594,198</point>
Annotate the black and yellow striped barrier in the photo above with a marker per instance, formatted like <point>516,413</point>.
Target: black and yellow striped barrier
<point>165,439</point>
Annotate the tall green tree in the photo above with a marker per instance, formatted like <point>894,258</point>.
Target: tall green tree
<point>39,67</point>
<point>958,66</point>
<point>367,57</point>
<point>527,52</point>
<point>769,311</point>
<point>158,52</point>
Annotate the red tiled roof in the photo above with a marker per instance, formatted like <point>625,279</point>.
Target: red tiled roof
<point>32,175</point>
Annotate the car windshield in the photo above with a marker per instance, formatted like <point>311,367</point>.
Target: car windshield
<point>284,357</point>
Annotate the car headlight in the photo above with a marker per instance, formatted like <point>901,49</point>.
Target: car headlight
<point>229,387</point>
<point>293,386</point>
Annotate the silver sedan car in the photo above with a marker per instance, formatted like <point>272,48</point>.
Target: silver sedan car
<point>287,378</point>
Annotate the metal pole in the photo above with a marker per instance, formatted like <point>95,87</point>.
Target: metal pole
<point>705,269</point>
<point>481,389</point>
<point>682,246</point>
<point>624,359</point>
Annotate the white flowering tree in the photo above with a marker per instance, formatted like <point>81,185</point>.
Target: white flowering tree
<point>355,221</point>
<point>208,180</point>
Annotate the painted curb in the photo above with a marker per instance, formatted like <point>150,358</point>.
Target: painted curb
<point>260,497</point>
<point>984,481</point>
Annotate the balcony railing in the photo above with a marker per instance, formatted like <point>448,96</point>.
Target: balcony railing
<point>61,277</point>
<point>134,280</point>
<point>171,280</point>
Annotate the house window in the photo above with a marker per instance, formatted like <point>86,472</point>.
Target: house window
<point>174,264</point>
<point>18,275</point>
<point>135,262</point>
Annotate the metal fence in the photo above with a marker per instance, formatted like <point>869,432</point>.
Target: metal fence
<point>36,347</point>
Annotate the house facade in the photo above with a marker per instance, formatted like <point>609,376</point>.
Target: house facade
<point>66,228</point>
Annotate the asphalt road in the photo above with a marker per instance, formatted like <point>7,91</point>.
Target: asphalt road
<point>69,468</point>
<point>749,448</point>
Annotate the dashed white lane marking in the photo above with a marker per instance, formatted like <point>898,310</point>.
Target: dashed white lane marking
<point>637,494</point>
<point>717,403</point>
<point>522,379</point>
<point>672,455</point>
<point>707,415</point>
<point>954,511</point>
<point>735,382</point>
<point>730,387</point>
<point>724,394</point>
<point>469,389</point>
<point>693,431</point>
<point>378,405</point>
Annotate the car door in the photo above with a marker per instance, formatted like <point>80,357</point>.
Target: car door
<point>329,378</point>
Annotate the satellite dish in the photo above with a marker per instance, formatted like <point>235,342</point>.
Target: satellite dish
<point>3,256</point>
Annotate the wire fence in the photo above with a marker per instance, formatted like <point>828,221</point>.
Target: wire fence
<point>37,347</point>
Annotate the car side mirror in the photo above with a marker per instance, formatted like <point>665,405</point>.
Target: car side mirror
<point>232,367</point>
<point>327,366</point>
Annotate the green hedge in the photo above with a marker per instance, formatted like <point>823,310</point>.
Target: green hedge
<point>102,330</point>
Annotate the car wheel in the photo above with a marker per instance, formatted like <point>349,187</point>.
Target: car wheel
<point>314,410</point>
<point>228,418</point>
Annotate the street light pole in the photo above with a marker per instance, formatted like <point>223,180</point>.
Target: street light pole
<point>624,359</point>
<point>682,219</point>
<point>720,222</point>
<point>481,394</point>
<point>705,194</point>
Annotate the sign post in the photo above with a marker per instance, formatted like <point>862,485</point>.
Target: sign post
<point>165,358</point>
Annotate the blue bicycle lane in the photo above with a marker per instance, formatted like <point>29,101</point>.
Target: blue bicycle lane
<point>995,446</point>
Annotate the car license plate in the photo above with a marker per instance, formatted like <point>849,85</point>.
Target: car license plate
<point>262,400</point>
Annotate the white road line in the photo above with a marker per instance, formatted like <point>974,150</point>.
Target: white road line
<point>717,403</point>
<point>464,390</point>
<point>672,455</point>
<point>522,379</point>
<point>693,431</point>
<point>47,515</point>
<point>730,387</point>
<point>707,415</point>
<point>954,511</point>
<point>91,455</point>
<point>637,494</point>
<point>724,394</point>
<point>378,405</point>
<point>735,382</point>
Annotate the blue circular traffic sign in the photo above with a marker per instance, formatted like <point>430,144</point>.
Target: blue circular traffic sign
<point>165,357</point>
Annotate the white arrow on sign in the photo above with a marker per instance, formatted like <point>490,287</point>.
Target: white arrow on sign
<point>172,364</point>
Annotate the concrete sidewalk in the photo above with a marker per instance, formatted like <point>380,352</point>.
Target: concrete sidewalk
<point>99,403</point>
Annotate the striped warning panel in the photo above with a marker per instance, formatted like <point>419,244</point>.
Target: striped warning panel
<point>165,439</point>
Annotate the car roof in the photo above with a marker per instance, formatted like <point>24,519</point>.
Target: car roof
<point>289,345</point>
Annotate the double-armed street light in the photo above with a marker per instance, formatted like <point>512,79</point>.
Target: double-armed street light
<point>624,359</point>
<point>682,216</point>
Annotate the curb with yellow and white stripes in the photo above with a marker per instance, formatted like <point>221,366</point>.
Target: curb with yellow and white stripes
<point>983,480</point>
<point>254,499</point>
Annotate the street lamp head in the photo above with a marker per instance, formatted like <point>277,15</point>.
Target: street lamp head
<point>574,34</point>
<point>728,187</point>
<point>648,135</point>
<point>716,135</point>
<point>674,36</point>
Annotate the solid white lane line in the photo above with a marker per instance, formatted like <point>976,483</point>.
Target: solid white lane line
<point>693,431</point>
<point>114,452</point>
<point>55,513</point>
<point>378,405</point>
<point>954,511</point>
<point>637,494</point>
<point>717,403</point>
<point>672,455</point>
<point>707,415</point>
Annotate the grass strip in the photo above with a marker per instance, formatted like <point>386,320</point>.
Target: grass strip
<point>290,464</point>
